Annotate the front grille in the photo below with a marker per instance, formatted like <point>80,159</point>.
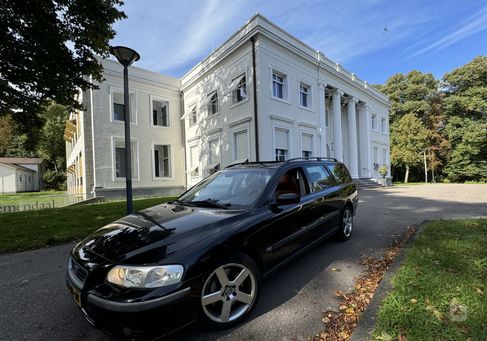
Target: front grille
<point>79,271</point>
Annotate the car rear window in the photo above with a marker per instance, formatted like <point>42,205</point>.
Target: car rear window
<point>342,176</point>
<point>319,177</point>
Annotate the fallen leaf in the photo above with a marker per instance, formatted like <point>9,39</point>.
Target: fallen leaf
<point>414,301</point>
<point>479,291</point>
<point>336,269</point>
<point>350,310</point>
<point>325,320</point>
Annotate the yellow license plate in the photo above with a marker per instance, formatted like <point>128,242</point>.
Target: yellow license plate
<point>76,295</point>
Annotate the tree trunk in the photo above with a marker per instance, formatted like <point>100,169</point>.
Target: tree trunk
<point>407,174</point>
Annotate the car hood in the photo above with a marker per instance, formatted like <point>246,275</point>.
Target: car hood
<point>155,233</point>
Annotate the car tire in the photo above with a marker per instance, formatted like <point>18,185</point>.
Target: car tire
<point>230,291</point>
<point>345,228</point>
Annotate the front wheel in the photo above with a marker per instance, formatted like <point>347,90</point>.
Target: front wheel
<point>346,224</point>
<point>230,291</point>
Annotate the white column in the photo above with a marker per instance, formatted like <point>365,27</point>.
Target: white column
<point>321,111</point>
<point>337,124</point>
<point>365,145</point>
<point>352,137</point>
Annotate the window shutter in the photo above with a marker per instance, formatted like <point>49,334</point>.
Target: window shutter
<point>307,142</point>
<point>281,137</point>
<point>241,145</point>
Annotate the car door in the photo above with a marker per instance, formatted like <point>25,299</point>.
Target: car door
<point>284,233</point>
<point>326,199</point>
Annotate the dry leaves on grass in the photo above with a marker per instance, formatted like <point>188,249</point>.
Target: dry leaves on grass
<point>340,325</point>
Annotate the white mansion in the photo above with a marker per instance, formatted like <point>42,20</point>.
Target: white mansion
<point>262,95</point>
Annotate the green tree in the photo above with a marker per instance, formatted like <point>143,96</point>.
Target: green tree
<point>409,138</point>
<point>465,107</point>
<point>418,93</point>
<point>18,147</point>
<point>51,145</point>
<point>469,155</point>
<point>6,133</point>
<point>48,52</point>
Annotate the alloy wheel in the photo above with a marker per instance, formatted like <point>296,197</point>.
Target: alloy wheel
<point>347,223</point>
<point>228,293</point>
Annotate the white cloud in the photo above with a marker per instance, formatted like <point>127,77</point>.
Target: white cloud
<point>172,36</point>
<point>473,24</point>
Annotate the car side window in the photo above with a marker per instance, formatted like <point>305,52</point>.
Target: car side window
<point>293,181</point>
<point>319,177</point>
<point>340,172</point>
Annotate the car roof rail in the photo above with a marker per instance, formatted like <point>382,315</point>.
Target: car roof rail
<point>264,163</point>
<point>261,163</point>
<point>314,158</point>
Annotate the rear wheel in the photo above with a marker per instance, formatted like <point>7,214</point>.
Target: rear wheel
<point>230,291</point>
<point>346,224</point>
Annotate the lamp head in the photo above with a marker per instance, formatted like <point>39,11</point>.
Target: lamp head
<point>125,55</point>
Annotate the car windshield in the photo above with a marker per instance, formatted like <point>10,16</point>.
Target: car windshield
<point>232,188</point>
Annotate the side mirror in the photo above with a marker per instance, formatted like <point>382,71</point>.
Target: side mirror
<point>288,199</point>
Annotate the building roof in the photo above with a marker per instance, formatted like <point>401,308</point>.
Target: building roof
<point>13,165</point>
<point>21,160</point>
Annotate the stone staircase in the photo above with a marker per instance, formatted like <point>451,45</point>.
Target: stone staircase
<point>366,183</point>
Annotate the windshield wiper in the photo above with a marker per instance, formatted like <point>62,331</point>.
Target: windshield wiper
<point>209,203</point>
<point>177,201</point>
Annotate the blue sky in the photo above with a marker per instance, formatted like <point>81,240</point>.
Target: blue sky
<point>430,36</point>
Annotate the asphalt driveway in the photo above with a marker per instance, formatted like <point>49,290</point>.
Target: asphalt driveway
<point>35,305</point>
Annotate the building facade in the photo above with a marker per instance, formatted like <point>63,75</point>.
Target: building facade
<point>95,143</point>
<point>262,95</point>
<point>265,95</point>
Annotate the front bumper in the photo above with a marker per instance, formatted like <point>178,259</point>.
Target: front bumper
<point>134,307</point>
<point>146,319</point>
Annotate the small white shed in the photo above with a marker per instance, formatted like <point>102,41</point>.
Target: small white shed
<point>24,176</point>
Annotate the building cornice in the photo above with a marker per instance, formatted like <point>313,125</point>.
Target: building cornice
<point>259,25</point>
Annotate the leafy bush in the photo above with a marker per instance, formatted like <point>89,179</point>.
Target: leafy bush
<point>54,179</point>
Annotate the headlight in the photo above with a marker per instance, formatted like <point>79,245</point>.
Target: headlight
<point>145,276</point>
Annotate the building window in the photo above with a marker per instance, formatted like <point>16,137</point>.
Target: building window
<point>374,121</point>
<point>383,125</point>
<point>240,93</point>
<point>20,178</point>
<point>214,151</point>
<point>193,116</point>
<point>327,117</point>
<point>384,156</point>
<point>120,160</point>
<point>213,103</point>
<point>194,160</point>
<point>304,95</point>
<point>160,113</point>
<point>118,112</point>
<point>241,145</point>
<point>281,144</point>
<point>119,107</point>
<point>307,145</point>
<point>281,154</point>
<point>278,85</point>
<point>162,164</point>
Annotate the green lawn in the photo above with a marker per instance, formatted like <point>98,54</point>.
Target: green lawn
<point>30,199</point>
<point>21,231</point>
<point>440,291</point>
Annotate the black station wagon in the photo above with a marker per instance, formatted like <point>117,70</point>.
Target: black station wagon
<point>203,256</point>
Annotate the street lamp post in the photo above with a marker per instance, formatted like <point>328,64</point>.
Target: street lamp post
<point>126,56</point>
